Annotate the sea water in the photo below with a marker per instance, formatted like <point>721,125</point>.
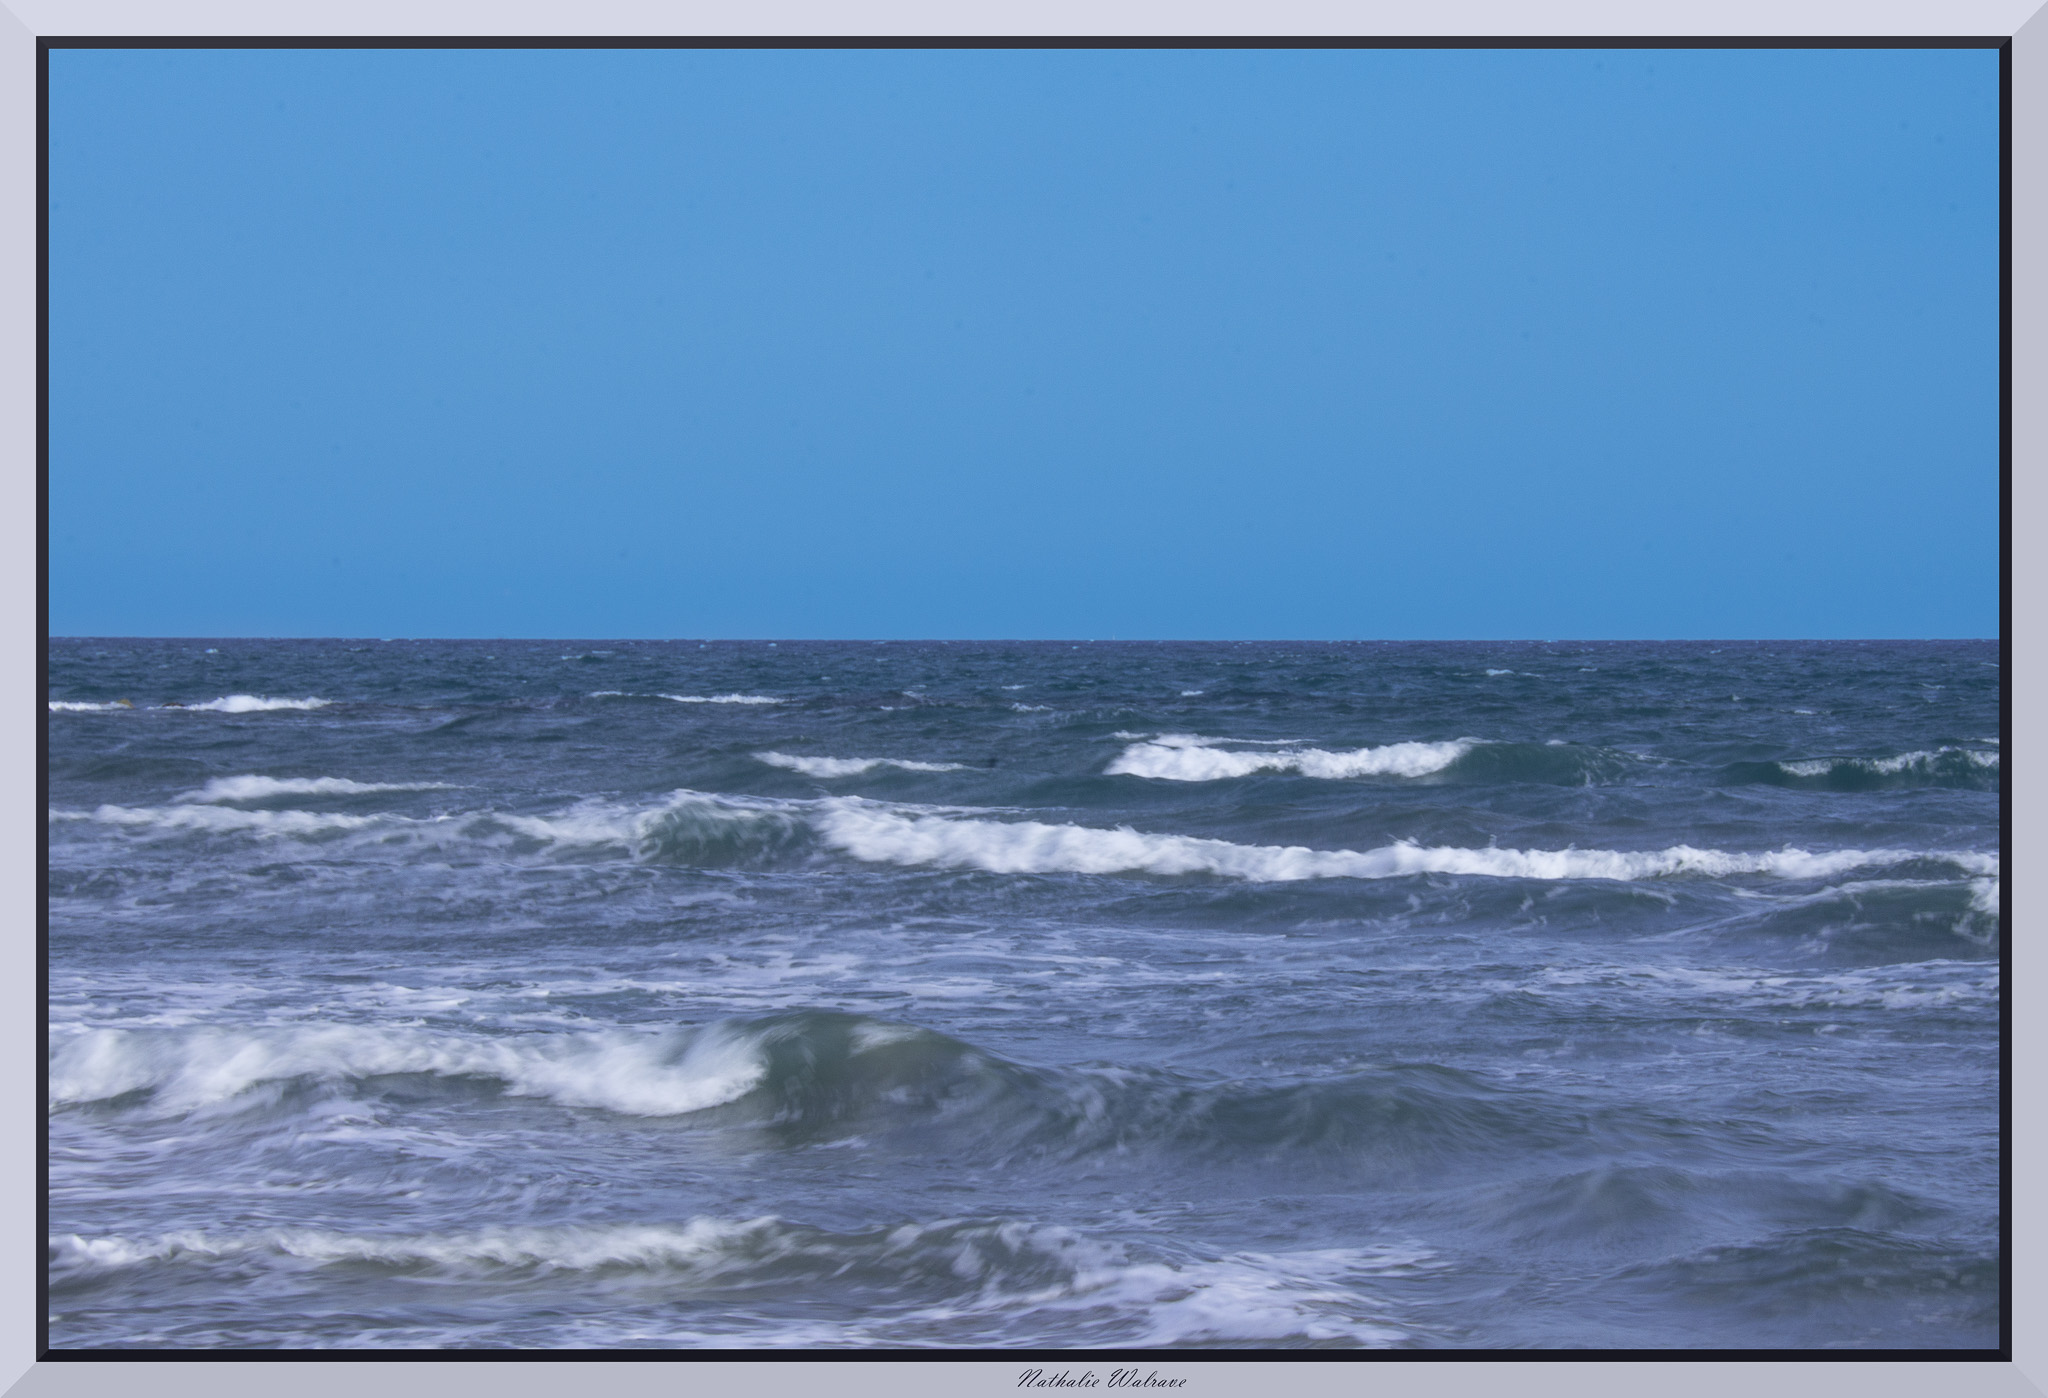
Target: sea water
<point>1023,995</point>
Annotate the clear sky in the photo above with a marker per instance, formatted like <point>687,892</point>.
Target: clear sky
<point>1176,344</point>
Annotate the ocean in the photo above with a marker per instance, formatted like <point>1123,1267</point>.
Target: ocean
<point>1023,996</point>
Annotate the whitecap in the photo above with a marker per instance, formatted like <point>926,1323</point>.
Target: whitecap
<point>258,788</point>
<point>824,767</point>
<point>224,818</point>
<point>669,1073</point>
<point>1923,763</point>
<point>1177,757</point>
<point>71,706</point>
<point>254,703</point>
<point>689,698</point>
<point>570,1248</point>
<point>1014,1268</point>
<point>877,834</point>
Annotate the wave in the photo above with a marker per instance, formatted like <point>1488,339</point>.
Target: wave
<point>637,1074</point>
<point>688,828</point>
<point>1945,766</point>
<point>229,704</point>
<point>691,698</point>
<point>251,704</point>
<point>1189,757</point>
<point>1920,985</point>
<point>257,788</point>
<point>878,834</point>
<point>692,827</point>
<point>802,1077</point>
<point>1184,758</point>
<point>913,1282</point>
<point>824,767</point>
<point>224,818</point>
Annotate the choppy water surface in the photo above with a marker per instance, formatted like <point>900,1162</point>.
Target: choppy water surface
<point>731,995</point>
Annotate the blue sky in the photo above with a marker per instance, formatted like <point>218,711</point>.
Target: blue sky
<point>1176,344</point>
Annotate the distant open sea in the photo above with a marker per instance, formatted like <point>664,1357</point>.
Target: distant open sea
<point>1023,995</point>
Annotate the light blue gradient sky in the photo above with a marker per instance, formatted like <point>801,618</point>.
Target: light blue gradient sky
<point>1010,344</point>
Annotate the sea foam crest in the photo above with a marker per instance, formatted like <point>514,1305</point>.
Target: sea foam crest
<point>689,698</point>
<point>879,835</point>
<point>226,818</point>
<point>587,1248</point>
<point>1916,762</point>
<point>638,1074</point>
<point>259,788</point>
<point>256,703</point>
<point>76,706</point>
<point>592,823</point>
<point>1186,758</point>
<point>850,766</point>
<point>1013,1267</point>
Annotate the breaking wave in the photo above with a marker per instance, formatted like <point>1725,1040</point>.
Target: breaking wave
<point>1942,767</point>
<point>810,1076</point>
<point>825,767</point>
<point>1187,758</point>
<point>252,704</point>
<point>952,1281</point>
<point>692,827</point>
<point>225,818</point>
<point>636,1074</point>
<point>878,834</point>
<point>691,698</point>
<point>256,788</point>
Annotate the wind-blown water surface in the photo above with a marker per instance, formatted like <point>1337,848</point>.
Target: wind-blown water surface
<point>732,995</point>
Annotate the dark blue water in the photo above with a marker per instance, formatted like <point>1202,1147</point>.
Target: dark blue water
<point>733,995</point>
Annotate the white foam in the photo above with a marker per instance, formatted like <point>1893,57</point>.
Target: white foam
<point>257,788</point>
<point>1184,758</point>
<point>572,1248</point>
<point>688,698</point>
<point>256,703</point>
<point>1500,672</point>
<point>224,818</point>
<point>1244,1296</point>
<point>637,1074</point>
<point>69,706</point>
<point>1887,766</point>
<point>823,767</point>
<point>1256,1296</point>
<point>880,835</point>
<point>603,822</point>
<point>1984,896</point>
<point>1032,708</point>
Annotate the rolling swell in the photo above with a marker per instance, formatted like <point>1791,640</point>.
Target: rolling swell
<point>977,1281</point>
<point>699,829</point>
<point>811,1076</point>
<point>1961,769</point>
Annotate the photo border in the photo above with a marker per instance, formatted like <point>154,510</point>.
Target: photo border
<point>454,23</point>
